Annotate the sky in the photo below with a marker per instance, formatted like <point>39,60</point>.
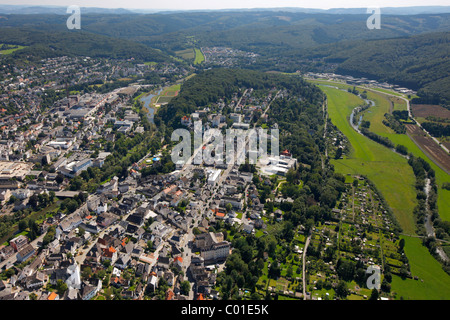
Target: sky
<point>229,4</point>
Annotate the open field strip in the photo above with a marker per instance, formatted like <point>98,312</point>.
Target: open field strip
<point>199,57</point>
<point>376,117</point>
<point>433,282</point>
<point>389,171</point>
<point>395,180</point>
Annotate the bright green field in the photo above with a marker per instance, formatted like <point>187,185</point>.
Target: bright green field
<point>389,171</point>
<point>376,117</point>
<point>376,113</point>
<point>436,283</point>
<point>199,57</point>
<point>9,51</point>
<point>394,178</point>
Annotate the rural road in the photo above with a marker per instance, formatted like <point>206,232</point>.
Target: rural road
<point>308,239</point>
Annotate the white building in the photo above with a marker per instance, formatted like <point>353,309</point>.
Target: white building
<point>213,176</point>
<point>74,279</point>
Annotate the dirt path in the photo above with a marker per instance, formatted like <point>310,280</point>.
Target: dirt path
<point>308,239</point>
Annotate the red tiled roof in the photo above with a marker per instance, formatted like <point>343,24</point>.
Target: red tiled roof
<point>52,296</point>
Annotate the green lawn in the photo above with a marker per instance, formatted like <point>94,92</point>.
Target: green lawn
<point>199,57</point>
<point>435,284</point>
<point>389,171</point>
<point>9,51</point>
<point>394,179</point>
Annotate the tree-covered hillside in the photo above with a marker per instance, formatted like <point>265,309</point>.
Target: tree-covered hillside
<point>211,85</point>
<point>45,43</point>
<point>419,62</point>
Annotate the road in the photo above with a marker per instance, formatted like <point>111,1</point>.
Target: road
<point>308,239</point>
<point>13,259</point>
<point>204,207</point>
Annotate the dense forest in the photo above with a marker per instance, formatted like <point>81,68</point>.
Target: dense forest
<point>409,50</point>
<point>419,62</point>
<point>45,44</point>
<point>211,85</point>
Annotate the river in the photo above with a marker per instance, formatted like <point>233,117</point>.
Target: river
<point>147,101</point>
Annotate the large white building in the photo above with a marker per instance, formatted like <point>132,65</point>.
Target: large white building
<point>277,165</point>
<point>213,176</point>
<point>212,247</point>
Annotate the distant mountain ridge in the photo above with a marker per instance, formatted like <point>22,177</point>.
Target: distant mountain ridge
<point>24,9</point>
<point>41,9</point>
<point>285,41</point>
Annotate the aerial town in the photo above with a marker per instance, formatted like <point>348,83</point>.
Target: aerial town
<point>104,214</point>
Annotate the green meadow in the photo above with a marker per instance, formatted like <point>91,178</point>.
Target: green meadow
<point>188,54</point>
<point>389,171</point>
<point>395,180</point>
<point>376,116</point>
<point>199,57</point>
<point>11,50</point>
<point>432,283</point>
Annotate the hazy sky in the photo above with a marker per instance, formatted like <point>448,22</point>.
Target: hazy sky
<point>228,4</point>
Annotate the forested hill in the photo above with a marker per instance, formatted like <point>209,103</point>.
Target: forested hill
<point>419,62</point>
<point>265,32</point>
<point>211,85</point>
<point>408,50</point>
<point>47,43</point>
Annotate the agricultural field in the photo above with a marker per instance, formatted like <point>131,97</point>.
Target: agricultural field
<point>9,48</point>
<point>199,57</point>
<point>188,54</point>
<point>427,145</point>
<point>429,281</point>
<point>360,235</point>
<point>434,114</point>
<point>428,110</point>
<point>194,55</point>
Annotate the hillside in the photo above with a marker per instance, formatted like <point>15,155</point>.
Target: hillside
<point>419,62</point>
<point>46,43</point>
<point>408,50</point>
<point>263,31</point>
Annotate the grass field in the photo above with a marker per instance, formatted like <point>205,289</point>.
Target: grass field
<point>9,51</point>
<point>188,54</point>
<point>389,171</point>
<point>376,116</point>
<point>376,113</point>
<point>199,57</point>
<point>394,179</point>
<point>433,282</point>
